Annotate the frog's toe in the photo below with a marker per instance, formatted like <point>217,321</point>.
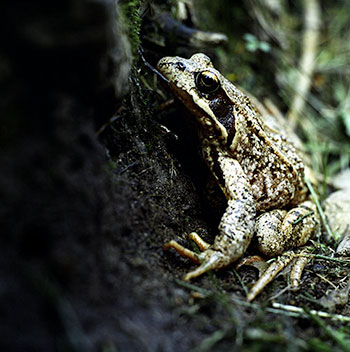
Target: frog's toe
<point>210,260</point>
<point>298,268</point>
<point>275,267</point>
<point>279,264</point>
<point>199,241</point>
<point>195,257</point>
<point>185,252</point>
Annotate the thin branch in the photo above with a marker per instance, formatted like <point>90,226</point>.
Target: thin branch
<point>318,313</point>
<point>312,20</point>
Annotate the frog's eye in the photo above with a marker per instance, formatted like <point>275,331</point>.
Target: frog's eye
<point>207,82</point>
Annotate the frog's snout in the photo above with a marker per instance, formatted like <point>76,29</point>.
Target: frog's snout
<point>164,61</point>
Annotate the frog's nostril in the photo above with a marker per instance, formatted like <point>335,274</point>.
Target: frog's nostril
<point>160,63</point>
<point>163,61</point>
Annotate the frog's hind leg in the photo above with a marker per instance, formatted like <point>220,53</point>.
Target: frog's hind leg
<point>278,231</point>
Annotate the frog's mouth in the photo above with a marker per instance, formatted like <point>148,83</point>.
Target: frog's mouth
<point>173,74</point>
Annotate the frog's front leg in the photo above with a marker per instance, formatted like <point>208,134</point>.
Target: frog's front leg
<point>237,224</point>
<point>278,231</point>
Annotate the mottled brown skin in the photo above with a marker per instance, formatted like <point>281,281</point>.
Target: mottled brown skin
<point>257,168</point>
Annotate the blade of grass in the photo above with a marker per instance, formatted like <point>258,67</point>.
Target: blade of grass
<point>241,282</point>
<point>334,335</point>
<point>209,342</point>
<point>320,210</point>
<point>320,256</point>
<point>317,313</point>
<point>201,290</point>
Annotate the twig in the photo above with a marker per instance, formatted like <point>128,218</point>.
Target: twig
<point>240,281</point>
<point>312,19</point>
<point>110,121</point>
<point>281,292</point>
<point>317,313</point>
<point>326,280</point>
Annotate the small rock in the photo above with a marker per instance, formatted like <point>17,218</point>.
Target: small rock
<point>337,210</point>
<point>342,180</point>
<point>336,298</point>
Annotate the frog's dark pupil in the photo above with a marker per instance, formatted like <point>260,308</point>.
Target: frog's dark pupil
<point>208,80</point>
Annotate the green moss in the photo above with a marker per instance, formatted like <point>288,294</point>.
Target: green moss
<point>132,23</point>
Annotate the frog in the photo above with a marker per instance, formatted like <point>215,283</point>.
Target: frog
<point>258,169</point>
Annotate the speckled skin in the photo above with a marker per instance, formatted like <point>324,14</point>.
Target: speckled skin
<point>257,168</point>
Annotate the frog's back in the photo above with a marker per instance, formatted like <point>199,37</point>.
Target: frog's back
<point>270,161</point>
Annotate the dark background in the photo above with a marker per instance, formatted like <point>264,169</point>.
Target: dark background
<point>84,215</point>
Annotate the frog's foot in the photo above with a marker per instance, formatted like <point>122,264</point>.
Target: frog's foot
<point>301,259</point>
<point>208,259</point>
<point>276,232</point>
